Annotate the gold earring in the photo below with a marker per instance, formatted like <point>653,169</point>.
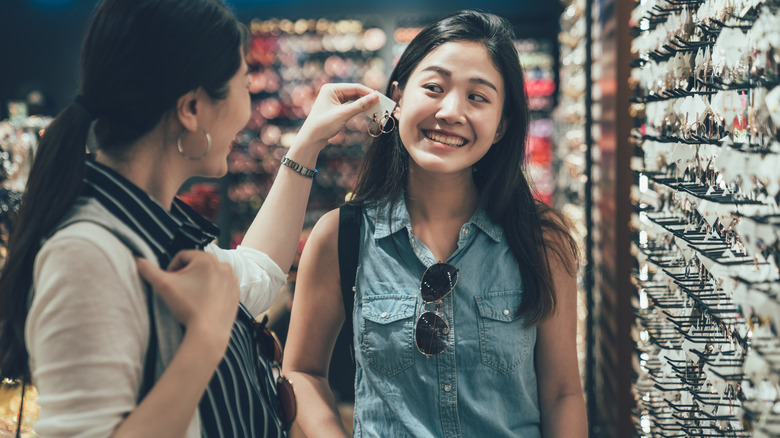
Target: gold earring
<point>385,119</point>
<point>374,127</point>
<point>181,148</point>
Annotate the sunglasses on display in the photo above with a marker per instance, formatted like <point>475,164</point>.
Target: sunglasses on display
<point>267,344</point>
<point>432,333</point>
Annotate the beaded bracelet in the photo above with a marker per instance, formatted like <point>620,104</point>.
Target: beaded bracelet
<point>299,168</point>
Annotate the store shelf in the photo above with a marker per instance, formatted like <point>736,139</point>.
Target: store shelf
<point>706,206</point>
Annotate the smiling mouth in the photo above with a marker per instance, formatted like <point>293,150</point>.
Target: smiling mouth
<point>449,140</point>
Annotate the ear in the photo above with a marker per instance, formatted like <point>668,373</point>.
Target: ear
<point>501,130</point>
<point>187,110</point>
<point>395,94</point>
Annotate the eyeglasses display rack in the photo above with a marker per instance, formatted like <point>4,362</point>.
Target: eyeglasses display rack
<point>705,221</point>
<point>571,147</point>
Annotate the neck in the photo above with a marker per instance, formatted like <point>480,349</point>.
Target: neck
<point>148,164</point>
<point>437,197</point>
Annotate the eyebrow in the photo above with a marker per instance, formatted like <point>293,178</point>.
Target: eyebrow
<point>447,73</point>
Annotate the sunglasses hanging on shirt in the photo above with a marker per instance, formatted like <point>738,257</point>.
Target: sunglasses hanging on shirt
<point>432,333</point>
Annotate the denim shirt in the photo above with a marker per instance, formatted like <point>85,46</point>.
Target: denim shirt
<point>484,383</point>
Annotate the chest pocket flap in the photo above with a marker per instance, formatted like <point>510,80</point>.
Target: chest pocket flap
<point>499,306</point>
<point>388,308</point>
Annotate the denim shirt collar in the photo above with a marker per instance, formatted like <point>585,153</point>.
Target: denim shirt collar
<point>398,219</point>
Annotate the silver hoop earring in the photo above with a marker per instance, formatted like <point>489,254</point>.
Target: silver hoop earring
<point>181,148</point>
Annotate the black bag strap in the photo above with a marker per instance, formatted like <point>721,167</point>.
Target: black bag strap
<point>149,378</point>
<point>349,246</point>
<point>342,372</point>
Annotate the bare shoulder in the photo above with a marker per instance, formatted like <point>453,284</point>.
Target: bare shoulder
<point>329,220</point>
<point>318,285</point>
<point>325,234</point>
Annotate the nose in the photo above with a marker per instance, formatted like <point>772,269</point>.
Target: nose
<point>452,109</point>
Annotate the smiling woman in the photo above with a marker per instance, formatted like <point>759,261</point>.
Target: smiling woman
<point>465,296</point>
<point>453,100</point>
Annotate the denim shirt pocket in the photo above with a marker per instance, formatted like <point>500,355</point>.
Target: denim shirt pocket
<point>388,332</point>
<point>504,341</point>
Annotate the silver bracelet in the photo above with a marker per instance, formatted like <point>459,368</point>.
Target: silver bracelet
<point>299,168</point>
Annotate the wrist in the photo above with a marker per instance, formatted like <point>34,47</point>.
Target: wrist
<point>211,340</point>
<point>305,150</point>
<point>298,167</point>
<point>305,155</point>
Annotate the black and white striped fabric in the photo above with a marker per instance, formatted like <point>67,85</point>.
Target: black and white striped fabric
<point>240,400</point>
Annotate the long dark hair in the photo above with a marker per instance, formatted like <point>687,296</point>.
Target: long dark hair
<point>138,58</point>
<point>504,190</point>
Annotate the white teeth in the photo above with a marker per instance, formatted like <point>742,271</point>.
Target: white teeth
<point>446,139</point>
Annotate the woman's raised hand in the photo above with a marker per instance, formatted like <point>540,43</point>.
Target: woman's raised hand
<point>201,292</point>
<point>334,106</point>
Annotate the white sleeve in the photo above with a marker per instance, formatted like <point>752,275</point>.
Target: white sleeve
<point>259,277</point>
<point>87,331</point>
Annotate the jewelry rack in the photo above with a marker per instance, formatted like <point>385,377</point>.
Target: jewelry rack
<point>706,223</point>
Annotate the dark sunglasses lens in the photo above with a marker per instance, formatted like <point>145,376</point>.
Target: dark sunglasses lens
<point>268,344</point>
<point>432,333</point>
<point>287,404</point>
<point>438,281</point>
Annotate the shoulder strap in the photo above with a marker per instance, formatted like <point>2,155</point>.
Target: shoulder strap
<point>149,378</point>
<point>342,372</point>
<point>349,246</point>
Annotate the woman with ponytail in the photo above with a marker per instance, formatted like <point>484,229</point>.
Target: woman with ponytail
<point>114,300</point>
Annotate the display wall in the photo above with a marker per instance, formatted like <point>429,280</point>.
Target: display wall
<point>592,126</point>
<point>611,178</point>
<point>571,126</point>
<point>706,171</point>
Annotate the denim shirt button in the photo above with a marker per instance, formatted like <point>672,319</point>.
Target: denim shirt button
<point>447,388</point>
<point>506,312</point>
<point>383,315</point>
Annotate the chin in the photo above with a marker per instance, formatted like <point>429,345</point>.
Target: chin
<point>440,168</point>
<point>222,172</point>
<point>214,171</point>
